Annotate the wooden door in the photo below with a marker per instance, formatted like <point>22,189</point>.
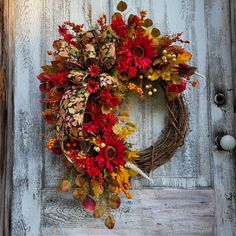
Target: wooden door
<point>194,193</point>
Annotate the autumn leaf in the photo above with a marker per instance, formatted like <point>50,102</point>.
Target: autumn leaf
<point>183,58</point>
<point>98,212</point>
<point>172,96</point>
<point>97,188</point>
<point>114,202</point>
<point>65,185</point>
<point>123,116</point>
<point>110,222</point>
<point>132,155</point>
<point>80,181</point>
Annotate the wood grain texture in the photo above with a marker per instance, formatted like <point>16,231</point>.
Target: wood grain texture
<point>222,118</point>
<point>6,111</point>
<point>233,43</point>
<point>152,212</point>
<point>28,123</point>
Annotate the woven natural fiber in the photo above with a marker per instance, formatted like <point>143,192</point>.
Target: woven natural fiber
<point>171,138</point>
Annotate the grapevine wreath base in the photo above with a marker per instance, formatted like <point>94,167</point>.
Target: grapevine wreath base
<point>171,139</point>
<point>86,89</point>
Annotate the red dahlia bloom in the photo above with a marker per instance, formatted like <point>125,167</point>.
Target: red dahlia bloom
<point>94,71</point>
<point>140,51</point>
<point>119,26</point>
<point>92,86</point>
<point>113,154</point>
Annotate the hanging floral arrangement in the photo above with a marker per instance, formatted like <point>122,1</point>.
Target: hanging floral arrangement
<point>85,89</point>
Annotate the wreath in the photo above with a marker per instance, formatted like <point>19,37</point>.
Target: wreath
<point>86,90</point>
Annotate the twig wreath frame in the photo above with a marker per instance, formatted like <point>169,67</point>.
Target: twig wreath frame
<point>90,76</point>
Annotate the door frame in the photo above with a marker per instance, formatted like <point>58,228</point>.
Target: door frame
<point>7,44</point>
<point>7,39</point>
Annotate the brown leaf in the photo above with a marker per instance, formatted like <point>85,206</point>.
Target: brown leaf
<point>110,222</point>
<point>122,6</point>
<point>155,32</point>
<point>80,181</point>
<point>114,202</point>
<point>147,23</point>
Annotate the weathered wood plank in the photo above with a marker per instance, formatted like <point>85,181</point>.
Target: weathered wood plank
<point>233,42</point>
<point>6,112</point>
<point>222,118</point>
<point>27,121</point>
<point>151,212</point>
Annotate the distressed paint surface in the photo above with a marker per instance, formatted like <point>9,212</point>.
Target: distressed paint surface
<point>164,212</point>
<point>39,210</point>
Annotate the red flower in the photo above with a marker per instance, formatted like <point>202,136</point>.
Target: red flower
<point>62,29</point>
<point>94,71</point>
<point>92,86</point>
<point>69,38</point>
<point>57,150</point>
<point>113,154</point>
<point>48,119</point>
<point>78,28</point>
<point>132,72</point>
<point>119,26</point>
<point>45,87</point>
<point>134,21</point>
<point>176,88</point>
<point>58,79</point>
<point>140,51</point>
<point>108,99</point>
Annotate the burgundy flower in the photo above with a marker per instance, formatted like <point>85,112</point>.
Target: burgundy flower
<point>62,29</point>
<point>92,86</point>
<point>94,71</point>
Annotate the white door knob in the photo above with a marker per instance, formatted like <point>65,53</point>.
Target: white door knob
<point>225,142</point>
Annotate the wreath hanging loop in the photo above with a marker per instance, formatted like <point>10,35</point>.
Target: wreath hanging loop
<point>90,76</point>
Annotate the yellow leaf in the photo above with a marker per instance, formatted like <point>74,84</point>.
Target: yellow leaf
<point>156,75</point>
<point>132,155</point>
<point>97,188</point>
<point>166,76</point>
<point>110,222</point>
<point>106,110</point>
<point>123,116</point>
<point>117,129</point>
<point>183,58</point>
<point>131,126</point>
